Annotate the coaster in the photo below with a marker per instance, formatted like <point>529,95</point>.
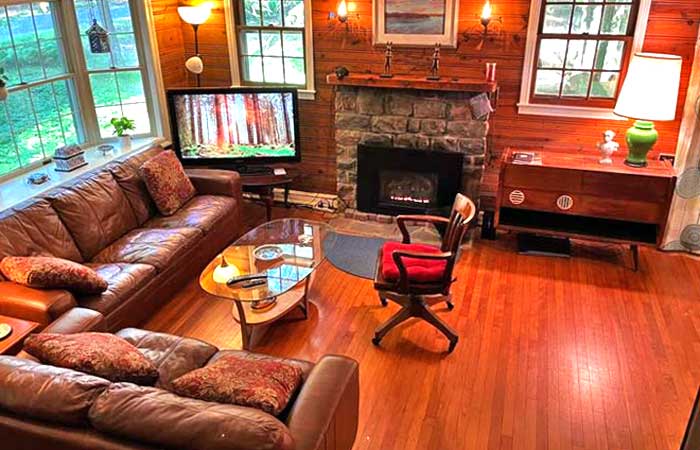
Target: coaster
<point>5,331</point>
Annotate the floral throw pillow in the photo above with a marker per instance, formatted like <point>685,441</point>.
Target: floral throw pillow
<point>45,272</point>
<point>101,354</point>
<point>265,385</point>
<point>166,181</point>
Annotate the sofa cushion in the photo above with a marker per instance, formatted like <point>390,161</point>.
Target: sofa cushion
<point>164,420</point>
<point>95,210</point>
<point>155,247</point>
<point>47,272</point>
<point>202,212</point>
<point>174,356</point>
<point>48,393</point>
<point>100,354</point>
<point>266,385</point>
<point>126,172</point>
<point>305,366</point>
<point>167,182</point>
<point>123,280</point>
<point>34,228</point>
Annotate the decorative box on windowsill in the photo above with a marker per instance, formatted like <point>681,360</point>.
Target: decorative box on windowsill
<point>69,158</point>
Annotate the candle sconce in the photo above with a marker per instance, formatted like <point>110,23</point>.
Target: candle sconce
<point>344,15</point>
<point>488,25</point>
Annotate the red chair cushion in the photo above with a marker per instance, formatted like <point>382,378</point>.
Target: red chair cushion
<point>419,270</point>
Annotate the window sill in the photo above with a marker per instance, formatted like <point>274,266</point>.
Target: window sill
<point>306,94</point>
<point>17,189</point>
<point>580,112</point>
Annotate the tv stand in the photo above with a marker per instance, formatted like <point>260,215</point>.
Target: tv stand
<point>253,170</point>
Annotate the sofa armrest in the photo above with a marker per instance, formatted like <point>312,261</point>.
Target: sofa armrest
<point>325,413</point>
<point>77,320</point>
<point>38,305</point>
<point>216,182</point>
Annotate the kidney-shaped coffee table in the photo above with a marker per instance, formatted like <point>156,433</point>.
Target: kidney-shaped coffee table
<point>281,257</point>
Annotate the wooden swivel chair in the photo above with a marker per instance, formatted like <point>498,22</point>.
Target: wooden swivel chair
<point>424,274</point>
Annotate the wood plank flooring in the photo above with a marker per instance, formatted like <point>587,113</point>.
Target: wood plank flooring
<point>576,354</point>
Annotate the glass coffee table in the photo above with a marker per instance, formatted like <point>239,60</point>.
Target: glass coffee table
<point>266,273</point>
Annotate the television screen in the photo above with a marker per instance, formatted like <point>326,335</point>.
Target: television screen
<point>241,125</point>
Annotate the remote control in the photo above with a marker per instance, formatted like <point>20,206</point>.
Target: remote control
<point>244,278</point>
<point>254,283</point>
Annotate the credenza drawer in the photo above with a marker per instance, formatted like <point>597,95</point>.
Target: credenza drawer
<point>573,203</point>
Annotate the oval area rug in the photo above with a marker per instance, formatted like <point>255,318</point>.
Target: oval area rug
<point>356,255</point>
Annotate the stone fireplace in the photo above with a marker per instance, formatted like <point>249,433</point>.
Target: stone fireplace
<point>407,119</point>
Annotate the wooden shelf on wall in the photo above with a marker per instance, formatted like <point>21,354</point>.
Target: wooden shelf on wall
<point>413,82</point>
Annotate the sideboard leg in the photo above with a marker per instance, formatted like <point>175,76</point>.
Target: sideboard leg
<point>635,257</point>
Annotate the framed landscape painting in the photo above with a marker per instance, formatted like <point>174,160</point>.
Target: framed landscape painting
<point>415,23</point>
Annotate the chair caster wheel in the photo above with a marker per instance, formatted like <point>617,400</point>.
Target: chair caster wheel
<point>376,341</point>
<point>450,306</point>
<point>384,302</point>
<point>453,344</point>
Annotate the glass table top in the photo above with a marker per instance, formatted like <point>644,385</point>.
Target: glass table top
<point>286,251</point>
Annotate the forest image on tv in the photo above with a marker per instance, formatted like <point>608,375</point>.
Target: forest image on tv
<point>235,125</point>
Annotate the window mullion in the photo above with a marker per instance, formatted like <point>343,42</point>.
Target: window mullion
<point>85,99</point>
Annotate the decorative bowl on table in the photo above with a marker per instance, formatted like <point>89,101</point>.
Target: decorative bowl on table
<point>268,252</point>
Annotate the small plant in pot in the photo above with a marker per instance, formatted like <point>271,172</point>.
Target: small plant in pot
<point>3,85</point>
<point>121,128</point>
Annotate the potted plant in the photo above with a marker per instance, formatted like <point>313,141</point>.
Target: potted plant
<point>121,128</point>
<point>3,85</point>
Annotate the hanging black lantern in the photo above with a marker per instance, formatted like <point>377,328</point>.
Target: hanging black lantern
<point>99,38</point>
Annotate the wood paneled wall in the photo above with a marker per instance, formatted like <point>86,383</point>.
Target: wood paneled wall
<point>673,28</point>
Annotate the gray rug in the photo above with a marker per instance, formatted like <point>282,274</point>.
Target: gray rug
<point>356,255</point>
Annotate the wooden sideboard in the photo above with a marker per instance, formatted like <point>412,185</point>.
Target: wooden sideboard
<point>576,196</point>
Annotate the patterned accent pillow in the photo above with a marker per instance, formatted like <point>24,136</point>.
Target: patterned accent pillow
<point>167,182</point>
<point>101,354</point>
<point>265,385</point>
<point>45,272</point>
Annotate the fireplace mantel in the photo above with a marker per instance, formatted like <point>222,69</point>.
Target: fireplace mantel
<point>413,82</point>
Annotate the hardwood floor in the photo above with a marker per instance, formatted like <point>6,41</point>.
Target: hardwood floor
<point>577,353</point>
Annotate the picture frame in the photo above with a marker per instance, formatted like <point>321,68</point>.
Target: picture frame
<point>415,23</point>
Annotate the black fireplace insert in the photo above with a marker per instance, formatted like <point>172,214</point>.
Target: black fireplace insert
<point>405,181</point>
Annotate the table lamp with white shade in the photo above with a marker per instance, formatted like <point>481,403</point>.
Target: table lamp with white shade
<point>649,93</point>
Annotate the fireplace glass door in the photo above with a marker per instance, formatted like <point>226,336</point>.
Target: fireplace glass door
<point>404,188</point>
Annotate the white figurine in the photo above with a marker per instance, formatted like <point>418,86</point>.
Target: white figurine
<point>608,147</point>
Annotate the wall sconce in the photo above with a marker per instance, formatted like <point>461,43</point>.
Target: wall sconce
<point>486,17</point>
<point>196,16</point>
<point>344,13</point>
<point>485,27</point>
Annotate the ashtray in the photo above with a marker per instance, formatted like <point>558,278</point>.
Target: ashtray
<point>268,252</point>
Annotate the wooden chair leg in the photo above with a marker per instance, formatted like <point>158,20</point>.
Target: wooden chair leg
<point>398,318</point>
<point>429,316</point>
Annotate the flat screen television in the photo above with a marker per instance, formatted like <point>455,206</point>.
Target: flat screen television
<point>235,127</point>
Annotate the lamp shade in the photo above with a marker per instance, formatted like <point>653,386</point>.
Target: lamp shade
<point>195,15</point>
<point>650,90</point>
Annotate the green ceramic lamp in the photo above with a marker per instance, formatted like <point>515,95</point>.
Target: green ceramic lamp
<point>649,93</point>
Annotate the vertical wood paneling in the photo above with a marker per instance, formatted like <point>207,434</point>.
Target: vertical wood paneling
<point>673,27</point>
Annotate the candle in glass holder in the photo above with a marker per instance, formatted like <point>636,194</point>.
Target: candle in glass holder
<point>490,71</point>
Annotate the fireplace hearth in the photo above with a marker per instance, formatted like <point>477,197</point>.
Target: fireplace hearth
<point>406,181</point>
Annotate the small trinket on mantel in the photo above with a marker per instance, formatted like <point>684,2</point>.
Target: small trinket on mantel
<point>388,57</point>
<point>435,66</point>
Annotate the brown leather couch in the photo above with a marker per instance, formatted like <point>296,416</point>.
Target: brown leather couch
<point>45,407</point>
<point>107,220</point>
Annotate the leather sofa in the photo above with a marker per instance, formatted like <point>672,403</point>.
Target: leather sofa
<point>107,220</point>
<point>44,407</point>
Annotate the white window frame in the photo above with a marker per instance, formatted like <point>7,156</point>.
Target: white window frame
<point>584,112</point>
<point>150,68</point>
<point>234,60</point>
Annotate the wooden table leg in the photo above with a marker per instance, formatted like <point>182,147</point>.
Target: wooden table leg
<point>246,330</point>
<point>635,257</point>
<point>269,199</point>
<point>286,195</point>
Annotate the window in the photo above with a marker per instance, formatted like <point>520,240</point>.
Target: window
<point>59,94</point>
<point>578,52</point>
<point>271,42</point>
